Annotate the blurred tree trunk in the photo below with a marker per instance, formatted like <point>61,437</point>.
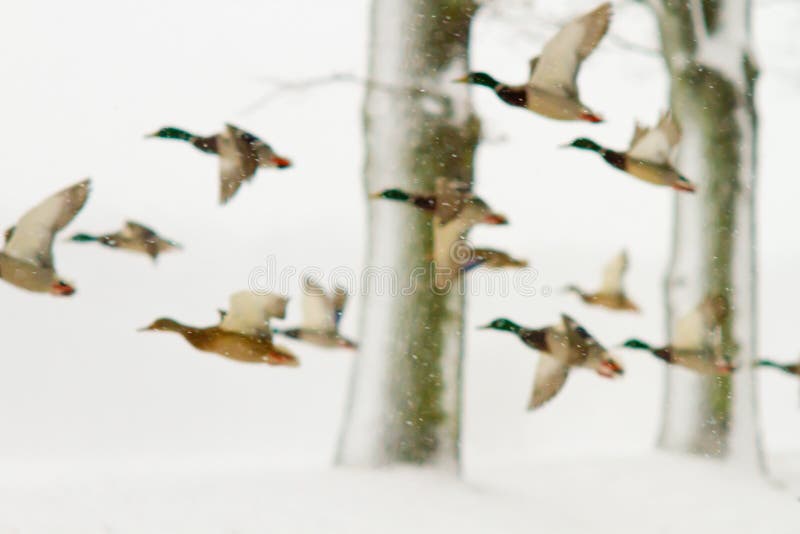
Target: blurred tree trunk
<point>706,48</point>
<point>405,398</point>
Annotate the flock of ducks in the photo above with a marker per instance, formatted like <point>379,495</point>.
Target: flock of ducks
<point>244,332</point>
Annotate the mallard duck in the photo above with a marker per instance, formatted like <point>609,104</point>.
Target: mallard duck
<point>551,90</point>
<point>690,346</point>
<point>27,259</point>
<point>240,154</point>
<point>790,368</point>
<point>448,201</point>
<point>321,316</point>
<point>243,334</point>
<point>562,346</point>
<point>134,237</point>
<point>649,154</point>
<point>611,294</point>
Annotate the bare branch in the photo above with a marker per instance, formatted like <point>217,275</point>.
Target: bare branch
<point>279,87</point>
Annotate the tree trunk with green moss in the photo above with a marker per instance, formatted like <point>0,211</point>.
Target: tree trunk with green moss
<point>405,397</point>
<point>706,48</point>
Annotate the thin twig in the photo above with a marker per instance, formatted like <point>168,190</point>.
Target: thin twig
<point>281,86</point>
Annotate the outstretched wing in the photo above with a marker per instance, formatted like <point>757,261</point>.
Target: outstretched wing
<point>32,238</point>
<point>582,344</point>
<point>319,311</point>
<point>556,68</point>
<point>249,313</point>
<point>237,160</point>
<point>613,274</point>
<point>655,144</point>
<point>551,374</point>
<point>690,332</point>
<point>451,195</point>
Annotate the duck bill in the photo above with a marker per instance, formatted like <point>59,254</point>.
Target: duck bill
<point>375,196</point>
<point>463,79</point>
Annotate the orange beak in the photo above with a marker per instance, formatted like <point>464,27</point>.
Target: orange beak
<point>280,162</point>
<point>495,218</point>
<point>62,289</point>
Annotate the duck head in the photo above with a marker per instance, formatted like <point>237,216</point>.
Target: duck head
<point>170,132</point>
<point>391,194</point>
<point>163,324</point>
<point>479,78</point>
<point>585,144</point>
<point>506,325</point>
<point>82,238</point>
<point>636,344</point>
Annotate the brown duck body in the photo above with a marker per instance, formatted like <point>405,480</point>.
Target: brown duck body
<point>320,338</point>
<point>698,362</point>
<point>26,275</point>
<point>613,302</point>
<point>233,345</point>
<point>544,103</point>
<point>655,173</point>
<point>209,145</point>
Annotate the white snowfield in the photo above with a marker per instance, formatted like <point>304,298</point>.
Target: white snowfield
<point>107,430</point>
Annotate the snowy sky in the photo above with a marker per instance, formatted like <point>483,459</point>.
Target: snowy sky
<point>85,81</point>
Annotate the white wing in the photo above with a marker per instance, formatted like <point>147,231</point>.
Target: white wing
<point>613,273</point>
<point>319,310</point>
<point>655,144</point>
<point>32,239</point>
<point>690,331</point>
<point>551,375</point>
<point>556,68</point>
<point>249,314</point>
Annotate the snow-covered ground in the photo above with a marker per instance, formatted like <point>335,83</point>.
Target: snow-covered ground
<point>108,430</point>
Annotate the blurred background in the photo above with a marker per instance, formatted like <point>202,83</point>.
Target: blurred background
<point>83,393</point>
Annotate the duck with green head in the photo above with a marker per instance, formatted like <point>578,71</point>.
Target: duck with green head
<point>649,154</point>
<point>134,237</point>
<point>452,199</point>
<point>690,346</point>
<point>240,154</point>
<point>551,90</point>
<point>562,346</point>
